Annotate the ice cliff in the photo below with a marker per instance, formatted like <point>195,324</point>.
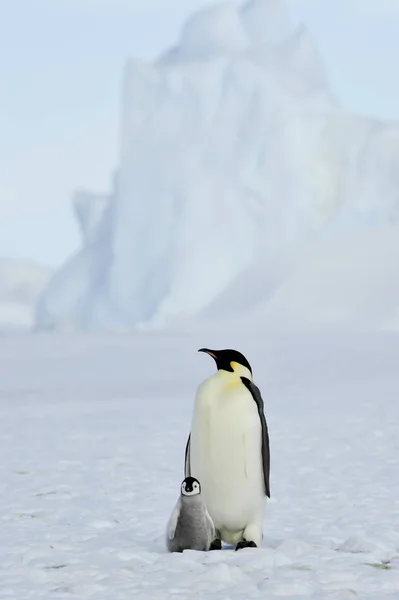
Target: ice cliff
<point>232,149</point>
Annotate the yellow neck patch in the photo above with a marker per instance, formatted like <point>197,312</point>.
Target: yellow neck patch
<point>234,378</point>
<point>240,371</point>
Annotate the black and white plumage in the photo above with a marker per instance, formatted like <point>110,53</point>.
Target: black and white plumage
<point>228,449</point>
<point>257,396</point>
<point>190,527</point>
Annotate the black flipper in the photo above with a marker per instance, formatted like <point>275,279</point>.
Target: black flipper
<point>187,467</point>
<point>256,395</point>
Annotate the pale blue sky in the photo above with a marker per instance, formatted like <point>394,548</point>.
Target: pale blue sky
<point>61,63</point>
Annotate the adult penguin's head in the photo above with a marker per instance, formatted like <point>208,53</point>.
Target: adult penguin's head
<point>228,360</point>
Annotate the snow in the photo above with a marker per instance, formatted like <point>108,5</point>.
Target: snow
<point>21,283</point>
<point>247,210</point>
<point>233,151</point>
<point>346,281</point>
<point>93,436</point>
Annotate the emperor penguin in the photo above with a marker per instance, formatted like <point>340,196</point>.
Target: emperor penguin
<point>190,527</point>
<point>228,450</point>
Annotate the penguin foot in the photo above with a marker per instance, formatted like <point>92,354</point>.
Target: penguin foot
<point>216,544</point>
<point>245,544</point>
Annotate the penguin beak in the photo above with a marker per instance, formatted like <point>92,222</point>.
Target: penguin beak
<point>207,351</point>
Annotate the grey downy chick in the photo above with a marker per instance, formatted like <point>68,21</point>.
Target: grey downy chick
<point>190,526</point>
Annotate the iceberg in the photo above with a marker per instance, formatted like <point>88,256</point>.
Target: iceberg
<point>346,281</point>
<point>233,149</point>
<point>21,283</point>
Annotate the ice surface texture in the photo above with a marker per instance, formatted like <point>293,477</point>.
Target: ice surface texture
<point>92,447</point>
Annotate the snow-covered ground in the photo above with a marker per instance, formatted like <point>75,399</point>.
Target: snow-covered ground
<point>92,443</point>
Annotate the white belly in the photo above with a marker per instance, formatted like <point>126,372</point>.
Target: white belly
<point>225,455</point>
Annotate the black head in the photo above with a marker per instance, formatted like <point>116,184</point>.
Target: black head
<point>190,487</point>
<point>225,358</point>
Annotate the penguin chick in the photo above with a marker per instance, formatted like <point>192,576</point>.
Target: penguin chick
<point>190,527</point>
